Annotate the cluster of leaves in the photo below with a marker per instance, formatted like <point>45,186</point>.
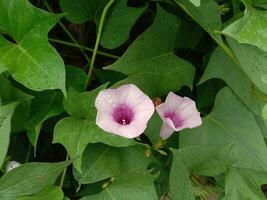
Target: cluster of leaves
<point>214,51</point>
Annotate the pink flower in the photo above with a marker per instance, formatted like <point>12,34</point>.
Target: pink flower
<point>177,114</point>
<point>124,111</point>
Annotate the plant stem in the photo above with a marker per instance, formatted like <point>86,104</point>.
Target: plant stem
<point>69,34</point>
<point>29,151</point>
<point>83,47</point>
<point>102,19</point>
<point>63,174</point>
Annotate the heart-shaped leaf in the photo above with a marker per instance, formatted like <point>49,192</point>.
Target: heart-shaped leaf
<point>28,57</point>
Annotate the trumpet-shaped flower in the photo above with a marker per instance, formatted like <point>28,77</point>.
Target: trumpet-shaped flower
<point>177,114</point>
<point>124,111</point>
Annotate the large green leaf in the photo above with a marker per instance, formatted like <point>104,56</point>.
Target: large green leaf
<point>76,78</point>
<point>48,104</point>
<point>83,11</point>
<point>9,93</point>
<point>207,161</point>
<point>242,183</point>
<point>180,185</point>
<point>133,185</point>
<point>29,58</point>
<point>118,23</point>
<point>250,29</point>
<point>45,105</point>
<point>206,15</point>
<point>101,161</point>
<point>6,112</point>
<point>76,133</point>
<point>49,192</point>
<point>219,66</point>
<point>230,122</point>
<point>253,62</point>
<point>30,178</point>
<point>150,61</point>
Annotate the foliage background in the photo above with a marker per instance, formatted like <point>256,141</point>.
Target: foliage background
<point>52,66</point>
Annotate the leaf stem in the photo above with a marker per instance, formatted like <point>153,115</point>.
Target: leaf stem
<point>63,174</point>
<point>102,19</point>
<point>29,151</point>
<point>83,47</point>
<point>226,49</point>
<point>68,33</point>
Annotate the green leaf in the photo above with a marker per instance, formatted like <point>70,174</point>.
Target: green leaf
<point>156,84</point>
<point>133,185</point>
<point>195,2</point>
<point>253,62</point>
<point>48,104</point>
<point>150,61</point>
<point>207,15</point>
<point>259,4</point>
<point>231,123</point>
<point>9,93</point>
<point>207,92</point>
<point>30,178</point>
<point>101,161</point>
<point>153,129</point>
<point>250,28</point>
<point>6,112</point>
<point>118,23</point>
<point>82,104</point>
<point>242,183</point>
<point>30,59</point>
<point>76,78</point>
<point>83,11</point>
<point>76,133</point>
<point>219,66</point>
<point>45,105</point>
<point>180,185</point>
<point>206,161</point>
<point>50,192</point>
<point>189,35</point>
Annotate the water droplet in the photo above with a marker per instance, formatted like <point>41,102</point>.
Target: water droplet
<point>99,102</point>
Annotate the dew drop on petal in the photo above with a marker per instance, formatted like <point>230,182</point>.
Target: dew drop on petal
<point>99,102</point>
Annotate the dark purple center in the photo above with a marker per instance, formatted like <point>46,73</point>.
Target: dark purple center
<point>123,114</point>
<point>177,121</point>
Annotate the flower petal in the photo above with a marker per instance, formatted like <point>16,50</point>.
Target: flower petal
<point>131,94</point>
<point>176,107</point>
<point>173,100</point>
<point>131,130</point>
<point>193,121</point>
<point>105,121</point>
<point>106,100</point>
<point>127,96</point>
<point>166,131</point>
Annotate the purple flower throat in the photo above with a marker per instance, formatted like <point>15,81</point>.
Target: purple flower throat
<point>123,114</point>
<point>177,121</point>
